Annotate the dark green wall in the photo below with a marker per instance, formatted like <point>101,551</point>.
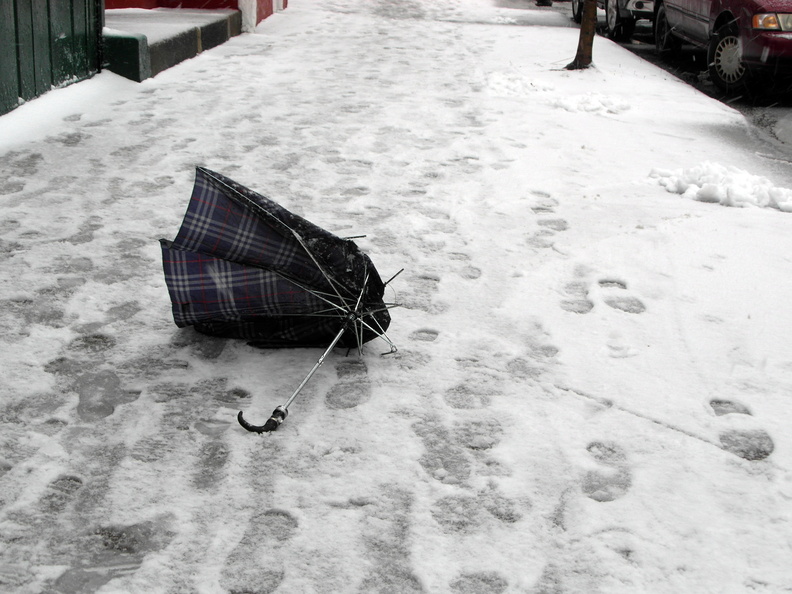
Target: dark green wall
<point>46,43</point>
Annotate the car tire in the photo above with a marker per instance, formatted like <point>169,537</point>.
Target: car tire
<point>666,43</point>
<point>577,11</point>
<point>724,60</point>
<point>619,27</point>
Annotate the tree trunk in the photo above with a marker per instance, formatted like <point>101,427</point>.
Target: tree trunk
<point>588,28</point>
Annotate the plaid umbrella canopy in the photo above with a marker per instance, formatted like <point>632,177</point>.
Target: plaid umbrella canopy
<point>243,266</point>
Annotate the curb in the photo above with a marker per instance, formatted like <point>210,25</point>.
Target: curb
<point>130,55</point>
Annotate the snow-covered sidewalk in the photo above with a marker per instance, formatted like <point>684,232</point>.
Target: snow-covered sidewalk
<point>592,389</point>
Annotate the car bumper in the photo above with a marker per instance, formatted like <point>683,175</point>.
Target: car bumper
<point>766,48</point>
<point>643,9</point>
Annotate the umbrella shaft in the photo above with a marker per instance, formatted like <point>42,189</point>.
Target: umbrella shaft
<point>315,367</point>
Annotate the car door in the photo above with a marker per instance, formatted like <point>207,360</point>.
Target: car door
<point>698,27</point>
<point>685,18</point>
<point>676,13</point>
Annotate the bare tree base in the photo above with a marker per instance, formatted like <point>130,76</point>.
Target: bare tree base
<point>577,65</point>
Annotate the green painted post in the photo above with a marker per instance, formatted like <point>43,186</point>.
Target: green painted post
<point>45,43</point>
<point>42,62</point>
<point>95,18</point>
<point>61,40</point>
<point>80,30</point>
<point>25,53</point>
<point>9,75</point>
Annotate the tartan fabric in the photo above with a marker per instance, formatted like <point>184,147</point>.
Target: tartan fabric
<point>217,225</point>
<point>204,288</point>
<point>239,267</point>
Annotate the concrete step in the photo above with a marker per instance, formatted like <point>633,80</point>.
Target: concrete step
<point>140,43</point>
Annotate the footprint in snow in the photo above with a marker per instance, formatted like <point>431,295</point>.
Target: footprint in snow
<point>99,394</point>
<point>452,455</point>
<point>548,225</point>
<point>725,407</point>
<point>553,224</point>
<point>84,563</point>
<point>612,291</point>
<point>543,202</point>
<point>85,233</point>
<point>749,444</point>
<point>409,360</point>
<point>466,397</point>
<point>110,552</point>
<point>21,165</point>
<point>420,294</point>
<point>467,271</point>
<point>256,563</point>
<point>425,335</point>
<point>235,398</point>
<point>60,493</point>
<point>386,532</point>
<point>124,311</point>
<point>443,459</point>
<point>612,296</point>
<point>466,513</point>
<point>484,582</point>
<point>613,478</point>
<point>541,239</point>
<point>99,391</point>
<point>470,272</point>
<point>577,300</point>
<point>522,368</point>
<point>618,348</point>
<point>478,434</point>
<point>539,355</point>
<point>353,387</point>
<point>212,459</point>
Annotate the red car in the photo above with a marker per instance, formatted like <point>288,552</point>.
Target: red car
<point>743,38</point>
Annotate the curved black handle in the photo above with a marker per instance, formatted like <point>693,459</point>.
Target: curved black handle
<point>278,416</point>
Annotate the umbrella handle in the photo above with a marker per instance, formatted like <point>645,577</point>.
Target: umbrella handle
<point>281,412</point>
<point>278,416</point>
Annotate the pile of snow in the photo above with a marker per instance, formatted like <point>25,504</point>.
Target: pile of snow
<point>591,103</point>
<point>730,186</point>
<point>513,84</point>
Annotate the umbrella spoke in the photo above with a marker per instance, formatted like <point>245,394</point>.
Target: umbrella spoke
<point>359,333</point>
<point>321,269</point>
<point>387,282</point>
<point>380,334</point>
<point>388,306</point>
<point>362,290</point>
<point>322,296</point>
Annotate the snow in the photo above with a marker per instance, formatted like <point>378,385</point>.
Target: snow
<point>159,24</point>
<point>730,186</point>
<point>591,392</point>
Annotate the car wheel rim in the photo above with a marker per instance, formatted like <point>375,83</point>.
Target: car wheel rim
<point>728,60</point>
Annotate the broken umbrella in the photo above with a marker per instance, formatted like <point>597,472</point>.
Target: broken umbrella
<point>242,266</point>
